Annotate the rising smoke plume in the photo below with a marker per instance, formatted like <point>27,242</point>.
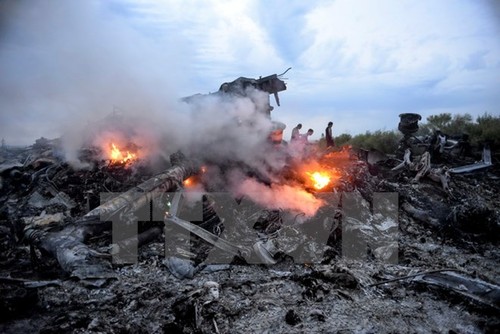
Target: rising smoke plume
<point>73,69</point>
<point>66,65</point>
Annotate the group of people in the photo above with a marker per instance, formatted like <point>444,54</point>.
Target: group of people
<point>297,136</point>
<point>304,138</point>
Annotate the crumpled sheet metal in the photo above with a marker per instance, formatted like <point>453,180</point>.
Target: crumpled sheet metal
<point>485,162</point>
<point>474,288</point>
<point>38,201</point>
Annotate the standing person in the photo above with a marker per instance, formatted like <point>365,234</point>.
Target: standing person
<point>306,147</point>
<point>329,136</point>
<point>305,137</point>
<point>296,132</point>
<point>309,133</point>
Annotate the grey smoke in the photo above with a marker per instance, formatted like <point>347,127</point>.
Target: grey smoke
<point>67,65</point>
<point>75,70</point>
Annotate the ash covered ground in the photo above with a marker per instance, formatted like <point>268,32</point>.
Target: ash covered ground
<point>441,277</point>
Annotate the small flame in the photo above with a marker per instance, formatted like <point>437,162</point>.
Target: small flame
<point>118,156</point>
<point>187,182</point>
<point>319,179</point>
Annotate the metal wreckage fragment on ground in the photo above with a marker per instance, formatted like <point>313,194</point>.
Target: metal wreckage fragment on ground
<point>484,163</point>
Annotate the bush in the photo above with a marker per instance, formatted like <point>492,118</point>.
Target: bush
<point>342,139</point>
<point>451,125</point>
<point>485,128</point>
<point>384,141</point>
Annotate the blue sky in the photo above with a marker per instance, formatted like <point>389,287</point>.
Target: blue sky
<point>356,63</point>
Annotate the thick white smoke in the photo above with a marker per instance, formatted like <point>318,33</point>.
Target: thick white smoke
<point>67,66</point>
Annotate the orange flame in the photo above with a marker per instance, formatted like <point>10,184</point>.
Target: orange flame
<point>319,179</point>
<point>187,182</point>
<point>117,156</point>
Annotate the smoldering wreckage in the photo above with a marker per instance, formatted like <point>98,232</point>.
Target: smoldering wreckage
<point>333,240</point>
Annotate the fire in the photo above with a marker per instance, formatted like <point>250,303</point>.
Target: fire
<point>324,173</point>
<point>279,196</point>
<point>118,156</point>
<point>187,182</point>
<point>319,179</point>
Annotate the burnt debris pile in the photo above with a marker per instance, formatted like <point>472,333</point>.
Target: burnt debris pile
<point>121,246</point>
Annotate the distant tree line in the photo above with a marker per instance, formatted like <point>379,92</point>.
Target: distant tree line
<point>484,128</point>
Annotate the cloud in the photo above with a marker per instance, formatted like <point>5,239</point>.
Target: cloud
<point>284,23</point>
<point>357,64</point>
<point>367,62</point>
<point>389,36</point>
<point>226,39</point>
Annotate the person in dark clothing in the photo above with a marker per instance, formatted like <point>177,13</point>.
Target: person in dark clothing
<point>329,136</point>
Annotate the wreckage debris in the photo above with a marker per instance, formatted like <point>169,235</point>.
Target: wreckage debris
<point>68,246</point>
<point>423,168</point>
<point>484,163</point>
<point>452,280</point>
<point>61,260</point>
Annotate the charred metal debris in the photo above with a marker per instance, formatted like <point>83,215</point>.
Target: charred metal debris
<point>74,261</point>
